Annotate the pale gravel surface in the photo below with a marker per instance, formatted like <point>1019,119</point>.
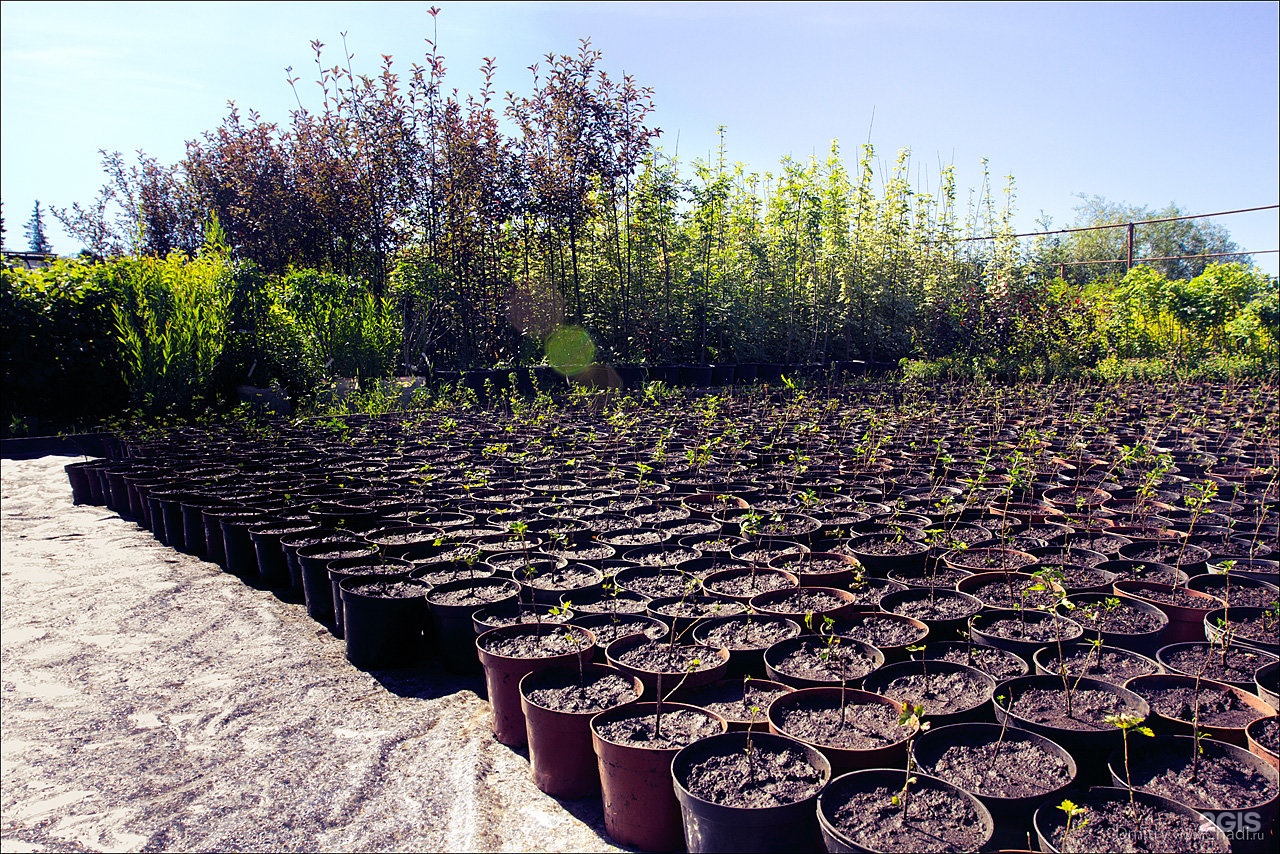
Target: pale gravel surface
<point>149,701</point>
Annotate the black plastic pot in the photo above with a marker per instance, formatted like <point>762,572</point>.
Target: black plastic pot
<point>1012,815</point>
<point>783,827</point>
<point>381,631</point>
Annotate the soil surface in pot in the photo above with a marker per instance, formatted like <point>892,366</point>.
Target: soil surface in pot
<point>734,700</point>
<point>1218,708</point>
<point>747,583</point>
<point>385,589</point>
<point>935,820</point>
<point>1254,628</point>
<point>1089,708</point>
<point>763,554</point>
<point>1240,665</point>
<point>1221,782</point>
<point>663,657</point>
<point>598,691</point>
<point>812,659</point>
<point>1111,826</point>
<point>1169,554</point>
<point>1013,768</point>
<point>755,632</point>
<point>882,631</point>
<point>1241,597</point>
<point>1125,619</point>
<point>655,583</point>
<point>1015,629</point>
<point>678,728</point>
<point>801,600</point>
<point>943,607</point>
<point>531,616</point>
<point>1108,665</point>
<point>997,592</point>
<point>943,577</point>
<point>612,605</point>
<point>1267,734</point>
<point>1178,596</point>
<point>469,595</point>
<point>999,664</point>
<point>538,642</point>
<point>633,624</point>
<point>940,693</point>
<point>766,777</point>
<point>865,726</point>
<point>699,607</point>
<point>569,578</point>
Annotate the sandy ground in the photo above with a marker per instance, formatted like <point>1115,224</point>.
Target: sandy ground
<point>149,701</point>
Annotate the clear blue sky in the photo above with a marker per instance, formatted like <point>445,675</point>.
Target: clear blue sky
<point>1142,103</point>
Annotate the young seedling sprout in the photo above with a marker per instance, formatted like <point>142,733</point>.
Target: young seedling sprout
<point>912,717</point>
<point>1075,815</point>
<point>1126,722</point>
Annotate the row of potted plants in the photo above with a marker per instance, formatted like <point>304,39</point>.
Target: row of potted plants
<point>649,537</point>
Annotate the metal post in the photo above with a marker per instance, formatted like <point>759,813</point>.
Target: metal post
<point>1129,254</point>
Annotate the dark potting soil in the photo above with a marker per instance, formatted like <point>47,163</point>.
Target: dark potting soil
<point>866,726</point>
<point>690,527</point>
<point>599,691</point>
<point>1012,768</point>
<point>390,589</point>
<point>1267,734</point>
<point>812,659</point>
<point>1125,619</point>
<point>981,559</point>
<point>538,641</point>
<point>785,528</point>
<point>1113,826</point>
<point>461,551</point>
<point>718,546</point>
<point>1000,664</point>
<point>763,777</point>
<point>754,632</point>
<point>1254,628</point>
<point>612,605</point>
<point>1240,665</point>
<point>663,657</point>
<point>634,538</point>
<point>1218,708</point>
<point>607,633</point>
<point>1089,708</point>
<point>883,631</point>
<point>444,574</point>
<point>1075,577</point>
<point>942,577</point>
<point>1178,596</point>
<point>569,578</point>
<point>658,513</point>
<point>943,607</point>
<point>1221,781</point>
<point>530,617</point>
<point>747,583</point>
<point>1143,572</point>
<point>584,553</point>
<point>802,600</point>
<point>1240,597</point>
<point>891,547</point>
<point>1015,629</point>
<point>1107,665</point>
<point>819,566</point>
<point>764,554</point>
<point>1172,555</point>
<point>940,693</point>
<point>869,592</point>
<point>700,608</point>
<point>677,728</point>
<point>996,592</point>
<point>1104,543</point>
<point>659,584</point>
<point>935,820</point>
<point>733,703</point>
<point>666,557</point>
<point>468,595</point>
